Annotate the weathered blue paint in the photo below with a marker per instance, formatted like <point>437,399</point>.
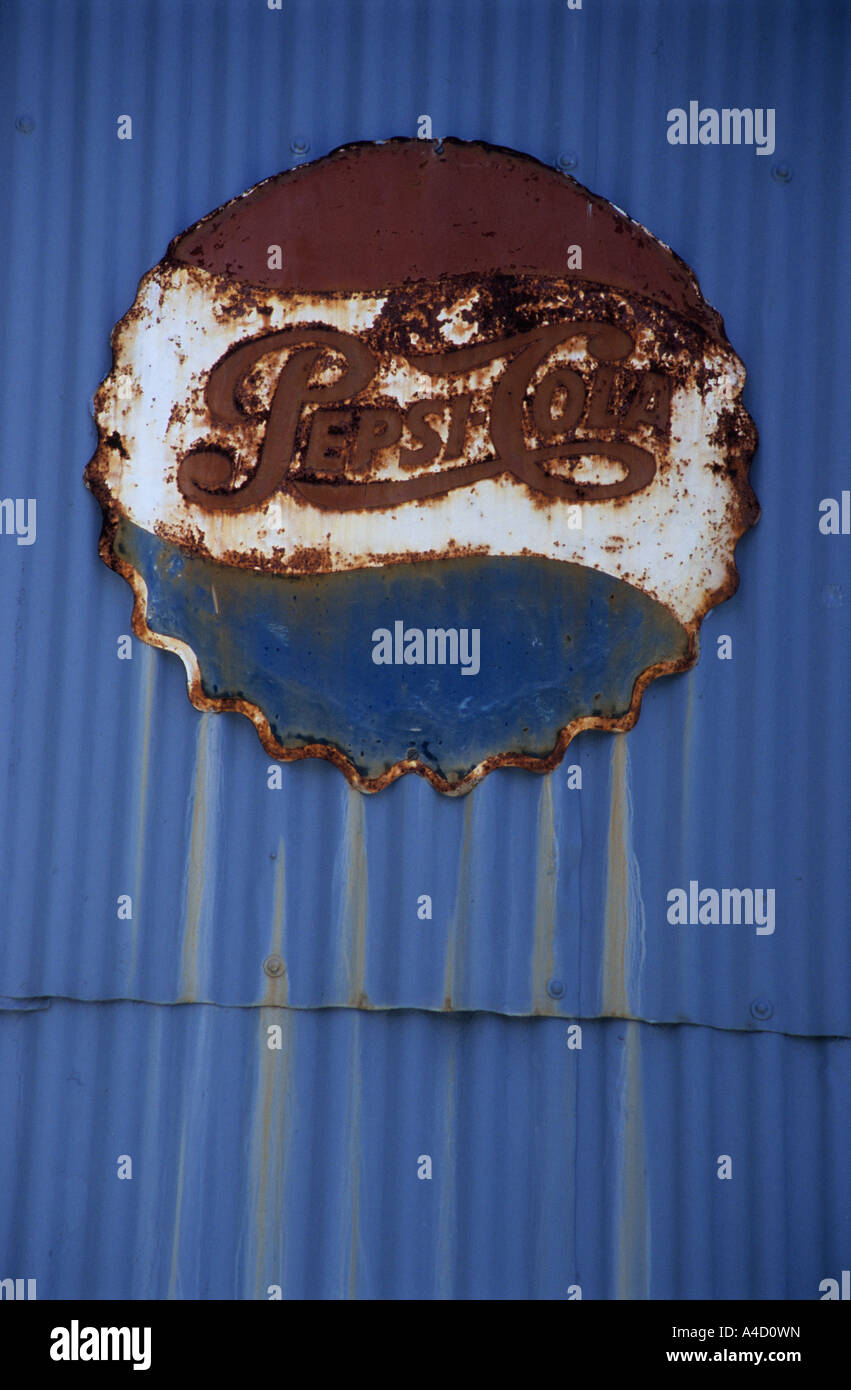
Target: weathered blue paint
<point>735,775</point>
<point>554,642</point>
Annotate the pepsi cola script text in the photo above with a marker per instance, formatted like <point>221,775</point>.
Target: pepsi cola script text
<point>321,439</point>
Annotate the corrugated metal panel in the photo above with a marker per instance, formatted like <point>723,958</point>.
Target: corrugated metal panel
<point>736,774</point>
<point>204,880</point>
<point>298,1167</point>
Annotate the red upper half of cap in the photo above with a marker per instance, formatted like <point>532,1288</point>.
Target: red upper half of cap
<point>370,216</point>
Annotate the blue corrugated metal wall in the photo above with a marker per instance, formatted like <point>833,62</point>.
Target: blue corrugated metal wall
<point>551,1167</point>
<point>298,1167</point>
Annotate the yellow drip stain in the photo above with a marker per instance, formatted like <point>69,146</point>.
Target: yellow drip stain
<point>617,886</point>
<point>616,925</point>
<point>634,1215</point>
<point>203,813</point>
<point>622,964</point>
<point>546,877</point>
<point>443,1178</point>
<point>355,901</point>
<point>272,1132</point>
<point>147,657</point>
<point>688,732</point>
<point>460,917</point>
<point>353,1129</point>
<point>271,1149</point>
<point>277,987</point>
<point>175,1241</point>
<point>271,1129</point>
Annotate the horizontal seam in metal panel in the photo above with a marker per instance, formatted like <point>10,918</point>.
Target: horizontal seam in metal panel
<point>39,1003</point>
<point>23,1004</point>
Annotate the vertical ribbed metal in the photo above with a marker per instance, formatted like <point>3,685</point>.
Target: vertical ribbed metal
<point>551,1167</point>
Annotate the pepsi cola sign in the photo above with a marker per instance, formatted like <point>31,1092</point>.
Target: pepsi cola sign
<point>409,489</point>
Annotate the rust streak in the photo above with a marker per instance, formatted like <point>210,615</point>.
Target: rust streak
<point>354,863</point>
<point>460,925</point>
<point>353,1129</point>
<point>546,879</point>
<point>445,1184</point>
<point>142,809</point>
<point>633,1234</point>
<point>614,1000</point>
<point>277,986</point>
<point>198,883</point>
<point>173,1288</point>
<point>271,1149</point>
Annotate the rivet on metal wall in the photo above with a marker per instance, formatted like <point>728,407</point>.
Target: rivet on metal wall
<point>299,144</point>
<point>274,966</point>
<point>782,173</point>
<point>25,125</point>
<point>567,160</point>
<point>762,1009</point>
<point>555,988</point>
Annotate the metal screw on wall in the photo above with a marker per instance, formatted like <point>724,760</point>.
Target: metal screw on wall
<point>762,1009</point>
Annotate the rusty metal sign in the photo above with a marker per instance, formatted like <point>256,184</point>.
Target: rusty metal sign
<point>425,459</point>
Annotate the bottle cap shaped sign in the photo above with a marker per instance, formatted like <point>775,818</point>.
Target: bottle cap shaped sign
<point>424,458</point>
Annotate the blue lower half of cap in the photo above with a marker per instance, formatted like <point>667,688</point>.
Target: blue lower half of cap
<point>557,641</point>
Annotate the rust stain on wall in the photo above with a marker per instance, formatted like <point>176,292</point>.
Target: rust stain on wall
<point>616,921</point>
<point>355,1158</point>
<point>546,881</point>
<point>353,862</point>
<point>270,1148</point>
<point>147,699</point>
<point>199,880</point>
<point>464,897</point>
<point>633,1233</point>
<point>624,931</point>
<point>277,986</point>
